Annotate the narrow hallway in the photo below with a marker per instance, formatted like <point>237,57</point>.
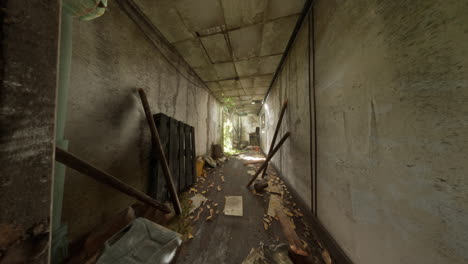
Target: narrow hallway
<point>229,239</point>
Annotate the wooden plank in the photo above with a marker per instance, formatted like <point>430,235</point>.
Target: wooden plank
<point>181,156</point>
<point>173,148</point>
<point>188,157</point>
<point>160,152</point>
<point>295,243</point>
<point>194,155</point>
<point>270,156</point>
<point>161,122</point>
<point>90,170</point>
<point>278,125</point>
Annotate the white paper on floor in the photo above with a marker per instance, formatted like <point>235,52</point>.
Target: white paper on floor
<point>233,205</point>
<point>197,201</point>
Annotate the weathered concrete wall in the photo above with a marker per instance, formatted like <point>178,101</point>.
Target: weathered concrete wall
<point>105,121</point>
<point>29,40</point>
<point>292,84</point>
<point>249,123</point>
<point>391,90</point>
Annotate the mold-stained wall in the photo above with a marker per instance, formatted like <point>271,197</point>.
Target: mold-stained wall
<point>392,119</point>
<point>292,84</point>
<point>106,124</point>
<point>391,86</point>
<point>28,65</point>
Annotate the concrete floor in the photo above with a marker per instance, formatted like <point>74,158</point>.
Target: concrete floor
<point>229,239</point>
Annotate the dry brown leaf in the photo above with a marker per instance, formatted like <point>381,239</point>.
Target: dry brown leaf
<point>326,257</point>
<point>198,215</point>
<point>288,213</point>
<point>211,215</point>
<point>219,188</point>
<point>298,213</point>
<point>215,204</point>
<point>265,225</point>
<point>222,178</point>
<point>203,192</point>
<point>211,185</point>
<point>190,236</point>
<point>208,206</point>
<point>193,190</point>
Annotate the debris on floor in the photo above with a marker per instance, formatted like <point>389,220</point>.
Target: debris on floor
<point>274,205</point>
<point>233,206</point>
<point>160,244</point>
<point>197,201</point>
<point>210,161</point>
<point>273,254</point>
<point>260,185</point>
<point>251,172</point>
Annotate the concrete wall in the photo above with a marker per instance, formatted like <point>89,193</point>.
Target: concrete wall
<point>292,84</point>
<point>105,121</point>
<point>249,123</point>
<point>391,86</point>
<point>29,41</point>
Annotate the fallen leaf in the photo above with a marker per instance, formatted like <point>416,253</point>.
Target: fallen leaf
<point>198,215</point>
<point>326,257</point>
<point>208,206</point>
<point>190,236</point>
<point>288,213</point>
<point>203,192</point>
<point>265,225</point>
<point>193,190</point>
<point>211,185</point>
<point>215,204</point>
<point>211,215</point>
<point>217,211</point>
<point>298,213</point>
<point>222,178</point>
<point>219,188</point>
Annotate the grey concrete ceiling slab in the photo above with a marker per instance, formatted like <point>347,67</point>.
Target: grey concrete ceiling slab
<point>239,13</point>
<point>164,15</point>
<point>193,52</point>
<point>213,86</point>
<point>282,8</point>
<point>230,85</point>
<point>207,73</point>
<point>246,42</point>
<point>276,35</point>
<point>257,65</point>
<point>263,80</point>
<point>225,70</point>
<point>216,47</point>
<point>200,15</point>
<point>247,82</point>
<point>235,46</point>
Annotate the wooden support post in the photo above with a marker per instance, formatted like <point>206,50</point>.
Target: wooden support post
<point>273,141</point>
<point>69,160</point>
<point>270,156</point>
<point>157,146</point>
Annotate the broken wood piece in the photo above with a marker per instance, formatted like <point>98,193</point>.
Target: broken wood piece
<point>273,205</point>
<point>270,156</point>
<point>71,161</point>
<point>295,243</point>
<point>275,135</point>
<point>157,146</point>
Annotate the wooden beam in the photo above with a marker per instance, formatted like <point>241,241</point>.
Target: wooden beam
<point>278,125</point>
<point>70,160</point>
<point>157,146</point>
<point>270,156</point>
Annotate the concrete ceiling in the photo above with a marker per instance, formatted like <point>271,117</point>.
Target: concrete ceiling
<point>234,46</point>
